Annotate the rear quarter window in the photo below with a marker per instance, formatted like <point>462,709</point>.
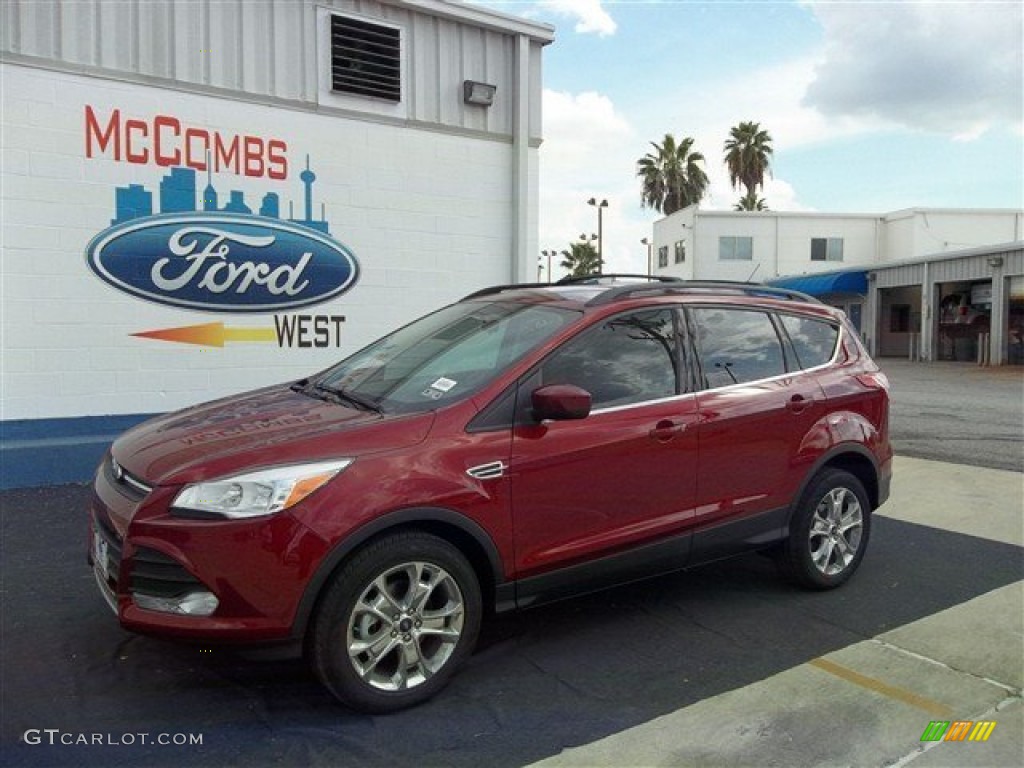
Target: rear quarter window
<point>814,341</point>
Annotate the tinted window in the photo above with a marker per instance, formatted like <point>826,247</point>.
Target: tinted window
<point>814,341</point>
<point>737,345</point>
<point>627,359</point>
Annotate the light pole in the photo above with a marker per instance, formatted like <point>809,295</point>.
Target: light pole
<point>650,267</point>
<point>549,254</point>
<point>540,267</point>
<point>600,233</point>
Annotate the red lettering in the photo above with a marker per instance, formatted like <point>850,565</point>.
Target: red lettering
<point>196,158</point>
<point>254,156</point>
<point>159,123</point>
<point>278,165</point>
<point>103,138</point>
<point>225,157</point>
<point>166,141</point>
<point>130,156</point>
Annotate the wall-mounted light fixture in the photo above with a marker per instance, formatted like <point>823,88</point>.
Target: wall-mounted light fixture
<point>995,261</point>
<point>481,94</point>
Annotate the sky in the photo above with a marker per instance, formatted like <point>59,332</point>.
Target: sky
<point>872,106</point>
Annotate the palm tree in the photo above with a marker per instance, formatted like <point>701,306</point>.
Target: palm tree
<point>751,202</point>
<point>581,260</point>
<point>672,176</point>
<point>748,156</point>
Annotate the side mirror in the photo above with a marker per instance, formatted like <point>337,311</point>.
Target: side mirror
<point>561,402</point>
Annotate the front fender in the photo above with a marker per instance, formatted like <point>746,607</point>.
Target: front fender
<point>426,517</point>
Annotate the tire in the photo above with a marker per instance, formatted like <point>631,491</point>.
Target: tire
<point>378,644</point>
<point>828,533</point>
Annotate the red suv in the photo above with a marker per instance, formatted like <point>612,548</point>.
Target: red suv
<point>525,444</point>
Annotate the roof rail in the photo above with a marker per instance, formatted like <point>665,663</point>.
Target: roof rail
<point>613,276</point>
<point>502,288</point>
<point>699,286</point>
<point>655,285</point>
<point>569,280</point>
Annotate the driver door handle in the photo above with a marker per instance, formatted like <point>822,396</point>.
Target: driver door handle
<point>665,430</point>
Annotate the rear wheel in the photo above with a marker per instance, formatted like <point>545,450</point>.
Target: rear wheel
<point>829,532</point>
<point>395,622</point>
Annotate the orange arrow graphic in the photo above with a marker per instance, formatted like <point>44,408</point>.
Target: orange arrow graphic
<point>210,334</point>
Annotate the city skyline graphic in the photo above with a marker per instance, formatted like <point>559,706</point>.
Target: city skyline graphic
<point>179,193</point>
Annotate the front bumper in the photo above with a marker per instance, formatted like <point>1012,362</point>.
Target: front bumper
<point>257,570</point>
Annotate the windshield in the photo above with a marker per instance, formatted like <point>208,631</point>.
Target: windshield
<point>446,355</point>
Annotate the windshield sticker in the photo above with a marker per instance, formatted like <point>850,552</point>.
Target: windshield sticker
<point>443,384</point>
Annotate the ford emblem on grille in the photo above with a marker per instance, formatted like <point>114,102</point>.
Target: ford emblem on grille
<point>222,262</point>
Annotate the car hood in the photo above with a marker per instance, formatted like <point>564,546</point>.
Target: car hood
<point>264,428</point>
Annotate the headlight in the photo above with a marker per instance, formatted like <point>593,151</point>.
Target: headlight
<point>257,493</point>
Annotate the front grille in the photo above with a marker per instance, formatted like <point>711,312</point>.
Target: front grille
<point>159,575</point>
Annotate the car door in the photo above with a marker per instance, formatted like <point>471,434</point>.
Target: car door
<point>621,478</point>
<point>756,407</point>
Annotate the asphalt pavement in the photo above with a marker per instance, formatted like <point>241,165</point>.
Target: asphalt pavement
<point>957,412</point>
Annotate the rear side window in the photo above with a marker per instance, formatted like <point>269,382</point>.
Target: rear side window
<point>737,346</point>
<point>814,341</point>
<point>628,359</point>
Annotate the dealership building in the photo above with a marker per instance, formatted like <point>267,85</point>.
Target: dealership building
<point>928,284</point>
<point>202,198</point>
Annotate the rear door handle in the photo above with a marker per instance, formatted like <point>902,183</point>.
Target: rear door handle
<point>665,430</point>
<point>798,403</point>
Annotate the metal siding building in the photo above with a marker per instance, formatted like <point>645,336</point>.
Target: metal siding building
<point>270,51</point>
<point>934,290</point>
<point>395,142</point>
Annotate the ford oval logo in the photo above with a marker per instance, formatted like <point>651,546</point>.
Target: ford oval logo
<point>220,262</point>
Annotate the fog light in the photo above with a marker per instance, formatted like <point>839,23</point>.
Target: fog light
<point>192,604</point>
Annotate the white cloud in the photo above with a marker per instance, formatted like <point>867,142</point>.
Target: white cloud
<point>950,68</point>
<point>590,15</point>
<point>590,150</point>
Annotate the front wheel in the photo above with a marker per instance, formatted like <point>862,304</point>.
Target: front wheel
<point>395,622</point>
<point>828,533</point>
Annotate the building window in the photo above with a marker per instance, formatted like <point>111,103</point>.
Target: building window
<point>680,251</point>
<point>736,248</point>
<point>826,249</point>
<point>366,59</point>
<point>899,318</point>
<point>663,256</point>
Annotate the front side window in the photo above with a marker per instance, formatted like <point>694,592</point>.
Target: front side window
<point>737,346</point>
<point>814,341</point>
<point>446,355</point>
<point>736,248</point>
<point>826,249</point>
<point>630,358</point>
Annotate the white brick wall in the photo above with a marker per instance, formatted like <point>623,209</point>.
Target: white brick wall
<point>427,215</point>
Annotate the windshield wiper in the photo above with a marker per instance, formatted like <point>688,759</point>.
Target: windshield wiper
<point>360,402</point>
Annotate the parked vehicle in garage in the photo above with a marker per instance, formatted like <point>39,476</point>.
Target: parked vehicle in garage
<point>526,444</point>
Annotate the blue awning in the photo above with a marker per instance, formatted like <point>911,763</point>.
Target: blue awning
<point>820,285</point>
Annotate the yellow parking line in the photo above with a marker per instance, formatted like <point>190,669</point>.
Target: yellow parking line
<point>892,691</point>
